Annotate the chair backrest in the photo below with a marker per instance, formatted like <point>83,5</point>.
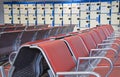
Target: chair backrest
<point>30,27</point>
<point>77,46</point>
<point>20,27</point>
<point>58,55</point>
<point>88,40</point>
<point>53,31</point>
<point>12,28</point>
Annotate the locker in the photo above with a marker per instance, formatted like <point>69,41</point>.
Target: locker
<point>115,6</point>
<point>49,8</point>
<point>66,19</point>
<point>84,15</point>
<point>31,18</point>
<point>93,23</point>
<point>84,6</point>
<point>58,8</point>
<point>23,8</point>
<point>7,8</point>
<point>75,18</point>
<point>104,19</point>
<point>40,18</point>
<point>105,7</point>
<point>58,19</point>
<point>94,14</point>
<point>94,6</point>
<point>31,8</point>
<point>84,23</point>
<point>16,18</point>
<point>7,18</point>
<point>40,8</point>
<point>75,7</point>
<point>67,8</point>
<point>16,8</point>
<point>115,19</point>
<point>48,19</point>
<point>24,18</point>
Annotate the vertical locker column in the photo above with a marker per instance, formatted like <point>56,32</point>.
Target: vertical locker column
<point>31,13</point>
<point>24,13</point>
<point>40,13</point>
<point>94,14</point>
<point>115,16</point>
<point>76,14</point>
<point>66,13</point>
<point>49,14</point>
<point>16,13</point>
<point>7,13</point>
<point>58,18</point>
<point>105,13</point>
<point>84,15</point>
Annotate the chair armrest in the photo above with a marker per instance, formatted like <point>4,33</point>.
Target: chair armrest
<point>77,73</point>
<point>2,71</point>
<point>106,44</point>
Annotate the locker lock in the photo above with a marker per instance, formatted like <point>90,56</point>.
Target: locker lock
<point>51,8</point>
<point>108,18</point>
<point>118,18</point>
<point>69,7</point>
<point>18,8</point>
<point>43,18</point>
<point>34,18</point>
<point>78,8</point>
<point>61,18</point>
<point>78,18</point>
<point>34,8</point>
<point>9,8</point>
<point>61,8</point>
<point>116,5</point>
<point>18,18</point>
<point>69,18</point>
<point>26,8</point>
<point>10,18</point>
<point>43,8</point>
<point>87,21</point>
<point>98,4</point>
<point>88,13</point>
<point>26,18</point>
<point>98,12</point>
<point>51,18</point>
<point>108,6</point>
<point>88,4</point>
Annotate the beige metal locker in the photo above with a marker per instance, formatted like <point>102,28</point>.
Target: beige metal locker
<point>94,6</point>
<point>84,15</point>
<point>115,19</point>
<point>31,8</point>
<point>24,18</point>
<point>58,8</point>
<point>48,8</point>
<point>75,7</point>
<point>31,18</point>
<point>104,19</point>
<point>7,8</point>
<point>66,19</point>
<point>16,8</point>
<point>48,19</point>
<point>40,8</point>
<point>84,6</point>
<point>84,23</point>
<point>23,8</point>
<point>75,18</point>
<point>40,19</point>
<point>16,18</point>
<point>58,19</point>
<point>67,8</point>
<point>115,6</point>
<point>7,18</point>
<point>105,7</point>
<point>94,14</point>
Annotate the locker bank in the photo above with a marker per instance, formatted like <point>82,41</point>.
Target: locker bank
<point>60,38</point>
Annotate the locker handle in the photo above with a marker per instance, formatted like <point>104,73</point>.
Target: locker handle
<point>26,8</point>
<point>26,18</point>
<point>10,8</point>
<point>51,18</point>
<point>88,13</point>
<point>88,4</point>
<point>78,18</point>
<point>118,18</point>
<point>69,18</point>
<point>18,8</point>
<point>43,18</point>
<point>98,4</point>
<point>87,21</point>
<point>108,6</point>
<point>70,8</point>
<point>78,8</point>
<point>98,12</point>
<point>51,8</point>
<point>34,18</point>
<point>18,18</point>
<point>61,8</point>
<point>61,18</point>
<point>10,18</point>
<point>34,8</point>
<point>108,18</point>
<point>43,8</point>
<point>116,5</point>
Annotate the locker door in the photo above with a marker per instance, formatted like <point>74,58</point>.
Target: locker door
<point>93,23</point>
<point>66,8</point>
<point>48,19</point>
<point>75,7</point>
<point>49,8</point>
<point>58,8</point>
<point>58,19</point>
<point>75,18</point>
<point>16,18</point>
<point>24,18</point>
<point>94,15</point>
<point>7,18</point>
<point>84,23</point>
<point>84,15</point>
<point>66,19</point>
<point>105,7</point>
<point>115,19</point>
<point>7,8</point>
<point>94,6</point>
<point>40,8</point>
<point>31,8</point>
<point>16,8</point>
<point>84,6</point>
<point>23,8</point>
<point>40,19</point>
<point>115,6</point>
<point>32,19</point>
<point>105,19</point>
